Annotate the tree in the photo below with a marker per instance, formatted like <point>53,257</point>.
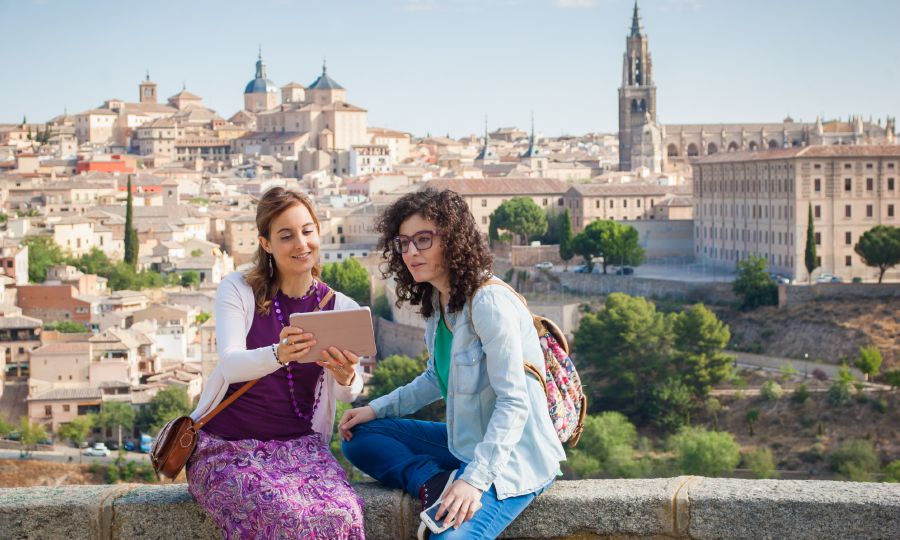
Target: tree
<point>349,277</point>
<point>699,338</point>
<point>116,415</point>
<point>382,308</point>
<point>131,238</point>
<point>840,391</point>
<point>592,241</point>
<point>5,427</point>
<point>626,345</point>
<point>93,262</point>
<point>30,435</point>
<point>43,253</point>
<point>77,430</point>
<point>196,252</point>
<point>393,372</point>
<point>892,378</point>
<point>855,460</point>
<point>190,278</point>
<point>753,285</point>
<point>521,216</point>
<point>771,391</point>
<point>621,246</point>
<point>809,257</point>
<point>167,404</point>
<point>610,438</point>
<point>66,327</point>
<point>869,361</point>
<point>705,453</point>
<point>565,238</point>
<point>713,407</point>
<point>671,404</point>
<point>760,463</point>
<point>892,471</point>
<point>202,317</point>
<point>880,247</point>
<point>752,417</point>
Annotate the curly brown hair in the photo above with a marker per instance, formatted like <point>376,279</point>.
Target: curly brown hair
<point>466,255</point>
<point>263,278</point>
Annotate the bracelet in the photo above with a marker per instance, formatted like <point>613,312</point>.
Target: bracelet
<point>275,354</point>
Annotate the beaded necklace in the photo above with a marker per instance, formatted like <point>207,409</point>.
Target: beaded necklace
<point>290,375</point>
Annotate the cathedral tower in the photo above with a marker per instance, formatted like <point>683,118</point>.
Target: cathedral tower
<point>637,104</point>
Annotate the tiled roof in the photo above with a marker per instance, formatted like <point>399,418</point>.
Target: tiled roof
<point>19,321</point>
<point>831,151</point>
<point>500,186</point>
<point>69,393</point>
<point>63,347</point>
<point>620,190</point>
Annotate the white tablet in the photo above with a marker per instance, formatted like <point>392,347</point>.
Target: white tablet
<point>349,329</point>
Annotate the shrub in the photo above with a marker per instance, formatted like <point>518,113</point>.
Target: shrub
<point>771,391</point>
<point>840,391</point>
<point>581,464</point>
<point>819,375</point>
<point>705,453</point>
<point>892,471</point>
<point>801,394</point>
<point>112,474</point>
<point>760,462</point>
<point>855,460</point>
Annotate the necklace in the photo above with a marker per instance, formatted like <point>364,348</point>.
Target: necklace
<point>290,374</point>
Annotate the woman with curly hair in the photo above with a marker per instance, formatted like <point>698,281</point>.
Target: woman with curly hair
<point>262,467</point>
<point>498,449</point>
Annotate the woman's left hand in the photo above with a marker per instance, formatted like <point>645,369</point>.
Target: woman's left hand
<point>341,364</point>
<point>460,503</point>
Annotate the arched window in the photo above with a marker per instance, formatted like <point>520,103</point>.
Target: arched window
<point>753,146</point>
<point>643,105</point>
<point>634,105</point>
<point>712,149</point>
<point>773,144</point>
<point>672,151</point>
<point>692,150</point>
<point>732,146</point>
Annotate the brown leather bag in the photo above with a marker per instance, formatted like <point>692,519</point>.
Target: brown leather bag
<point>176,441</point>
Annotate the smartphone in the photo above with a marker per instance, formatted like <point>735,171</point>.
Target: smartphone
<point>429,518</point>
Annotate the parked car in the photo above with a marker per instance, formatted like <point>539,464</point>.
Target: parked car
<point>828,278</point>
<point>146,443</point>
<point>112,444</point>
<point>545,265</point>
<point>580,269</point>
<point>129,445</point>
<point>99,449</point>
<point>625,271</point>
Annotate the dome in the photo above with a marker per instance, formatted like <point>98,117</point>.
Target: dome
<point>324,82</point>
<point>260,84</point>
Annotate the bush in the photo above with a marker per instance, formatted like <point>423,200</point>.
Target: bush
<point>382,308</point>
<point>892,471</point>
<point>771,391</point>
<point>855,460</point>
<point>819,375</point>
<point>609,438</point>
<point>704,453</point>
<point>760,462</point>
<point>840,392</point>
<point>581,464</point>
<point>112,474</point>
<point>801,394</point>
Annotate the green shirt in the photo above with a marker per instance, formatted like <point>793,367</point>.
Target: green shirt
<point>443,340</point>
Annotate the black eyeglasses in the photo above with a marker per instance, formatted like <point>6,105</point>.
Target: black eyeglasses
<point>422,240</point>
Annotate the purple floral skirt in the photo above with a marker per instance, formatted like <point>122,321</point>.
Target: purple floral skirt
<point>274,489</point>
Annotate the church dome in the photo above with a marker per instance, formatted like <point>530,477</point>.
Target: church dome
<point>260,84</point>
<point>324,82</point>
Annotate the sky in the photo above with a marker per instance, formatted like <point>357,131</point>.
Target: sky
<point>441,66</point>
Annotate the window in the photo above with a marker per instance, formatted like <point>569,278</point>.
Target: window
<point>559,202</point>
<point>817,166</point>
<point>890,184</point>
<point>868,165</point>
<point>484,203</point>
<point>848,260</point>
<point>818,184</point>
<point>67,408</point>
<point>869,210</point>
<point>848,238</point>
<point>597,203</point>
<point>610,203</point>
<point>484,220</point>
<point>870,184</point>
<point>817,211</point>
<point>848,184</point>
<point>890,210</point>
<point>624,203</point>
<point>848,211</point>
<point>847,166</point>
<point>544,202</point>
<point>818,239</point>
<point>48,410</point>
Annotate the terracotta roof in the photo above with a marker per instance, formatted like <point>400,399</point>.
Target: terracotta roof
<point>620,190</point>
<point>69,393</point>
<point>19,321</point>
<point>500,186</point>
<point>832,151</point>
<point>63,347</point>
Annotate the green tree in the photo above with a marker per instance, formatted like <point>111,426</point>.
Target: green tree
<point>609,438</point>
<point>521,217</point>
<point>880,247</point>
<point>349,277</point>
<point>840,391</point>
<point>788,371</point>
<point>704,453</point>
<point>713,407</point>
<point>382,308</point>
<point>5,428</point>
<point>196,252</point>
<point>771,391</point>
<point>699,338</point>
<point>168,404</point>
<point>202,317</point>
<point>77,430</point>
<point>190,278</point>
<point>43,253</point>
<point>892,471</point>
<point>892,378</point>
<point>626,345</point>
<point>855,460</point>
<point>66,327</point>
<point>752,417</point>
<point>131,238</point>
<point>593,241</point>
<point>116,415</point>
<point>753,285</point>
<point>621,246</point>
<point>869,361</point>
<point>93,262</point>
<point>30,434</point>
<point>760,463</point>
<point>393,372</point>
<point>566,252</point>
<point>809,257</point>
<point>671,403</point>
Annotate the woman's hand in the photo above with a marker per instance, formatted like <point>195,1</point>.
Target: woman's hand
<point>293,344</point>
<point>341,364</point>
<point>354,417</point>
<point>460,503</point>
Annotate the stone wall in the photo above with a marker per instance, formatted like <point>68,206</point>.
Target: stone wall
<point>683,507</point>
<point>394,338</point>
<point>636,286</point>
<point>800,294</point>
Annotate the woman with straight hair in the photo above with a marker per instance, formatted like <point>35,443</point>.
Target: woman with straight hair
<point>262,467</point>
<point>498,449</point>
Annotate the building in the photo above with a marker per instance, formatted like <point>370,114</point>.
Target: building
<point>51,303</point>
<point>619,202</point>
<point>260,94</point>
<point>19,336</point>
<point>14,260</point>
<point>757,203</point>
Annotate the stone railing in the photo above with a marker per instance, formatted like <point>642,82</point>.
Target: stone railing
<point>683,507</point>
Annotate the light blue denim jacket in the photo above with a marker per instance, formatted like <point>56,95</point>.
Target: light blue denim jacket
<point>497,419</point>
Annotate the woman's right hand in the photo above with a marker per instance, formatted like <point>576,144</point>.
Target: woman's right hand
<point>293,344</point>
<point>354,417</point>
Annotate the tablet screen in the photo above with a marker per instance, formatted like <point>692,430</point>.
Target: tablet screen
<point>349,329</point>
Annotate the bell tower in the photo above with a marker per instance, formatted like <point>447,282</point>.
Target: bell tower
<point>147,90</point>
<point>637,95</point>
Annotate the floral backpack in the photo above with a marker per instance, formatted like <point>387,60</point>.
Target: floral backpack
<point>562,385</point>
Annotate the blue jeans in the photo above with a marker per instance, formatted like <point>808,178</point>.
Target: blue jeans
<point>402,453</point>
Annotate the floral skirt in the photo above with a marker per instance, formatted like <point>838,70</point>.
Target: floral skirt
<point>274,489</point>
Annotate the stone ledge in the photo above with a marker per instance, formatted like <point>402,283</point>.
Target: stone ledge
<point>682,507</point>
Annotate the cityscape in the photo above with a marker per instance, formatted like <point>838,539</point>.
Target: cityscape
<point>750,268</point>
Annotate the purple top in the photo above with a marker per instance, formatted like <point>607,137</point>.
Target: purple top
<point>265,412</point>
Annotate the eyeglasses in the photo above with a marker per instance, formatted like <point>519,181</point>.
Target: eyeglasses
<point>422,240</point>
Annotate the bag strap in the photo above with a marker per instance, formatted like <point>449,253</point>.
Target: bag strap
<point>249,384</point>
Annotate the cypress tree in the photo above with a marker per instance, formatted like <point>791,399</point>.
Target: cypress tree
<point>131,248</point>
<point>565,238</point>
<point>810,257</point>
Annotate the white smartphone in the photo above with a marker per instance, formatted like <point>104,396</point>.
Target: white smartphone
<point>429,518</point>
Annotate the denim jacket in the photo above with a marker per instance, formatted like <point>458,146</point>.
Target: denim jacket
<point>497,419</point>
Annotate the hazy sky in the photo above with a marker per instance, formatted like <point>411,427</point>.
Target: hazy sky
<point>440,66</point>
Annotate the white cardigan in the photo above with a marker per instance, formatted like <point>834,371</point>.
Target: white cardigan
<point>235,307</point>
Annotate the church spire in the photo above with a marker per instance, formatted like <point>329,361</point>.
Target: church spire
<point>260,66</point>
<point>637,29</point>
